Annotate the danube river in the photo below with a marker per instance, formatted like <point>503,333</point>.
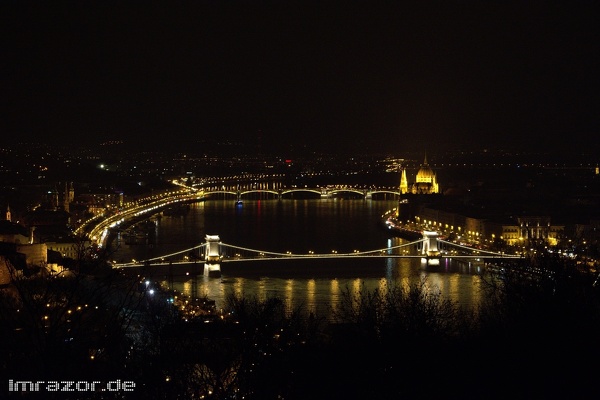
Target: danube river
<point>300,226</point>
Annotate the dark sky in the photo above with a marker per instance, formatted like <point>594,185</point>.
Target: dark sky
<point>324,74</point>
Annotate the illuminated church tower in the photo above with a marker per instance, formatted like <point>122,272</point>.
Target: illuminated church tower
<point>403,182</point>
<point>69,196</point>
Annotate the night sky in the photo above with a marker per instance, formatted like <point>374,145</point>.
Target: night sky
<point>327,75</point>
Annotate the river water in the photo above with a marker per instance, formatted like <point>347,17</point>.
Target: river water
<point>300,226</point>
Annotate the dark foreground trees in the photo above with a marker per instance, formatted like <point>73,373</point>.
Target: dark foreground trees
<point>541,322</point>
<point>75,325</point>
<point>535,335</point>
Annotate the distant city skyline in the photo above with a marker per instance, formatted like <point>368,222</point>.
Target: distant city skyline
<point>337,76</point>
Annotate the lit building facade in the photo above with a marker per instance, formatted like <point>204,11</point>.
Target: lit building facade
<point>425,182</point>
<point>524,231</point>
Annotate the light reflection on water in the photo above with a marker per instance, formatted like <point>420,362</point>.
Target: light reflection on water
<point>299,225</point>
<point>322,295</point>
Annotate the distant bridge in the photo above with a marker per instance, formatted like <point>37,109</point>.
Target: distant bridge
<point>323,192</point>
<point>97,228</point>
<point>213,252</point>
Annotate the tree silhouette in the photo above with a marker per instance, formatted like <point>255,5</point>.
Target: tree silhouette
<point>533,335</point>
<point>70,325</point>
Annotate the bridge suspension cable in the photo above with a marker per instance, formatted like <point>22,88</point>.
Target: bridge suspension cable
<point>255,254</point>
<point>161,258</point>
<point>277,255</point>
<point>481,253</point>
<point>271,255</point>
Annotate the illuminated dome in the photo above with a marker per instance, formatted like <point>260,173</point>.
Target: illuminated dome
<point>425,174</point>
<point>425,183</point>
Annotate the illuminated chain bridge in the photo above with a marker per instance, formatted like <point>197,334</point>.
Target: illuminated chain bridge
<point>213,252</point>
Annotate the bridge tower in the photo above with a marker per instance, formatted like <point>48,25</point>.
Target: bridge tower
<point>212,266</point>
<point>430,248</point>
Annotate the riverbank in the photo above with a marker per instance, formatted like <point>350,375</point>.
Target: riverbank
<point>396,228</point>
